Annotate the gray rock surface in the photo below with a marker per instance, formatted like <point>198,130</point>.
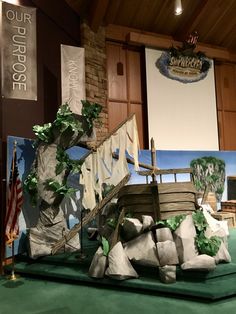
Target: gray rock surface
<point>184,237</point>
<point>119,266</point>
<point>98,264</point>
<point>142,250</point>
<point>167,273</point>
<point>201,262</point>
<point>167,253</point>
<point>131,228</point>
<point>164,234</point>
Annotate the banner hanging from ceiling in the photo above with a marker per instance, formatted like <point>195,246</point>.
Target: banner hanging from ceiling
<point>73,77</point>
<point>18,52</point>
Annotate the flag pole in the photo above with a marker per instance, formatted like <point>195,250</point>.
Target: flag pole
<point>13,275</point>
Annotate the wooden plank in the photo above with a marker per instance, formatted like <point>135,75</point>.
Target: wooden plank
<point>176,187</point>
<point>166,215</point>
<point>146,199</point>
<point>164,188</point>
<point>90,216</point>
<point>183,206</point>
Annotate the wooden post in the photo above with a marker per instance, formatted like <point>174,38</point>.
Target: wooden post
<point>154,188</point>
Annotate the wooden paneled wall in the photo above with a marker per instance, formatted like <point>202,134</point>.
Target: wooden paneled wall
<point>225,76</point>
<point>126,87</point>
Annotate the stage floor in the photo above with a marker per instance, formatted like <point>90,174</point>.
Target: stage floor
<point>214,285</point>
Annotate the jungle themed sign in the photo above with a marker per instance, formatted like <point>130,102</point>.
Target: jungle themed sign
<point>183,64</point>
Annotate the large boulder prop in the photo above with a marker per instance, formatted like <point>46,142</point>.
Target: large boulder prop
<point>46,183</point>
<point>142,250</point>
<point>131,228</point>
<point>184,237</point>
<point>201,262</point>
<point>119,266</point>
<point>98,265</point>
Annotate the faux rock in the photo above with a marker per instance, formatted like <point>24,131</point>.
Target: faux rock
<point>164,234</point>
<point>147,221</point>
<point>201,262</point>
<point>142,250</point>
<point>44,236</point>
<point>131,228</point>
<point>98,264</point>
<point>167,273</point>
<point>184,237</point>
<point>119,266</point>
<point>167,253</point>
<point>223,254</point>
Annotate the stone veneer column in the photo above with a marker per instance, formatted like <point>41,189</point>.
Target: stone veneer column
<point>95,73</point>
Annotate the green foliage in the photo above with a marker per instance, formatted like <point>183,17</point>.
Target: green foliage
<point>172,222</point>
<point>44,133</point>
<point>209,246</point>
<point>105,246</point>
<point>199,220</point>
<point>60,189</point>
<point>66,121</point>
<point>65,163</point>
<point>111,222</point>
<point>30,185</point>
<point>91,112</point>
<point>68,124</point>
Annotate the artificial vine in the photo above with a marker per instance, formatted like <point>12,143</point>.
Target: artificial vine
<point>31,186</point>
<point>209,246</point>
<point>59,189</point>
<point>105,246</point>
<point>67,124</point>
<point>65,163</point>
<point>172,222</point>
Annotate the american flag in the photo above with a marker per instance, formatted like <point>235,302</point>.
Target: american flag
<point>14,202</point>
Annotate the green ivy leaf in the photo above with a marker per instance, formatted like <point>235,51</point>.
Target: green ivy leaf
<point>31,186</point>
<point>90,111</point>
<point>199,220</point>
<point>172,222</point>
<point>44,133</point>
<point>209,246</point>
<point>105,246</point>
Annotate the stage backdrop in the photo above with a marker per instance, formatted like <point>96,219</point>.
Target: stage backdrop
<point>72,206</point>
<point>180,116</point>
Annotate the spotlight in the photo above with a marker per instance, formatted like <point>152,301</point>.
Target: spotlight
<point>178,7</point>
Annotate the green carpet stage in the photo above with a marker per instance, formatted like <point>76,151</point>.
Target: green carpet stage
<point>214,285</point>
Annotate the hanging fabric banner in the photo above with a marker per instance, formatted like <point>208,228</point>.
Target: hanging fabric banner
<point>73,77</point>
<point>18,50</point>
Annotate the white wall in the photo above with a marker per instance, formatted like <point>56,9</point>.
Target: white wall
<point>180,116</point>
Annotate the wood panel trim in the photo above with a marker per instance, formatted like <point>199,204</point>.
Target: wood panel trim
<point>155,41</point>
<point>136,37</point>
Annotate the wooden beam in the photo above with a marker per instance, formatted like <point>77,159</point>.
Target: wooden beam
<point>158,41</point>
<point>165,43</point>
<point>97,13</point>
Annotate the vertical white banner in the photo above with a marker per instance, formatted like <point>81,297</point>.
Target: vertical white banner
<point>73,77</point>
<point>18,52</point>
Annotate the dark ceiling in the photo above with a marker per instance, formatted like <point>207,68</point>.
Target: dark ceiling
<point>214,20</point>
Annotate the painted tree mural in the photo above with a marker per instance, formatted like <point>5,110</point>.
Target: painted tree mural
<point>209,171</point>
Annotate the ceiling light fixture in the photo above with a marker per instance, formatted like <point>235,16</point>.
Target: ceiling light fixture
<point>178,7</point>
